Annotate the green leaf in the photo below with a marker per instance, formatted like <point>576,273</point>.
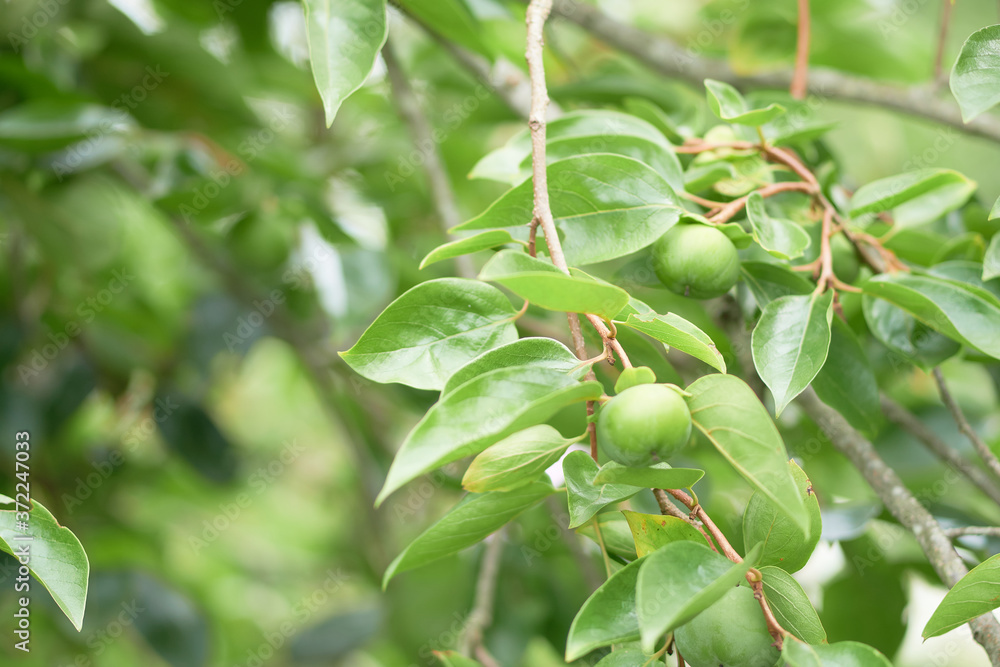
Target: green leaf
<point>785,545</point>
<point>44,125</point>
<point>847,382</point>
<point>481,412</point>
<point>995,211</point>
<point>975,77</point>
<point>918,197</point>
<point>654,476</point>
<point>654,531</point>
<point>54,556</point>
<point>608,616</point>
<point>975,594</point>
<point>727,103</point>
<point>791,606</point>
<point>957,311</point>
<point>605,206</point>
<point>538,352</point>
<point>840,654</point>
<point>594,126</point>
<point>345,37</point>
<point>431,330</point>
<point>615,534</point>
<point>629,657</point>
<point>768,282</point>
<point>782,238</point>
<point>727,411</point>
<point>544,285</point>
<point>516,460</point>
<point>475,517</point>
<point>991,262</point>
<point>488,239</point>
<point>905,336</point>
<point>586,498</point>
<point>453,659</point>
<point>679,581</point>
<point>790,343</point>
<point>678,333</point>
<point>630,377</point>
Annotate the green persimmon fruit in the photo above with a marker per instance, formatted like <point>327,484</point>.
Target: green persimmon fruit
<point>696,260</point>
<point>845,260</point>
<point>644,424</point>
<point>730,633</point>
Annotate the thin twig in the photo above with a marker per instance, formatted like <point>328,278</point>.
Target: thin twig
<point>423,138</point>
<point>909,422</point>
<point>940,78</point>
<point>735,206</point>
<point>800,76</point>
<point>481,615</point>
<point>989,531</point>
<point>984,451</point>
<point>669,509</point>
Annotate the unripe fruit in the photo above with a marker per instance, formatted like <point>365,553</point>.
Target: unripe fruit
<point>643,424</point>
<point>730,633</point>
<point>696,260</point>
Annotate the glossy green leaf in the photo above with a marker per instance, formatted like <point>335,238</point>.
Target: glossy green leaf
<point>678,333</point>
<point>586,498</point>
<point>975,77</point>
<point>615,534</point>
<point>544,285</point>
<point>655,116</point>
<point>55,556</point>
<point>516,460</point>
<point>653,531</point>
<point>452,20</point>
<point>955,310</point>
<point>728,104</point>
<point>840,654</point>
<point>785,544</point>
<point>630,377</point>
<point>847,382</point>
<point>791,605</point>
<point>605,206</point>
<point>538,352</point>
<point>730,415</point>
<point>595,126</point>
<point>488,239</point>
<point>345,37</point>
<point>768,282</point>
<point>430,331</point>
<point>968,272</point>
<point>918,197</point>
<point>975,594</point>
<point>481,412</point>
<point>780,237</point>
<point>991,262</point>
<point>475,517</point>
<point>679,581</point>
<point>608,616</point>
<point>905,336</point>
<point>629,657</point>
<point>790,343</point>
<point>654,476</point>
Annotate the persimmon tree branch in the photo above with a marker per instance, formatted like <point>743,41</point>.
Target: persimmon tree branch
<point>984,451</point>
<point>903,505</point>
<point>909,422</point>
<point>988,531</point>
<point>423,138</point>
<point>670,59</point>
<point>800,76</point>
<point>481,615</point>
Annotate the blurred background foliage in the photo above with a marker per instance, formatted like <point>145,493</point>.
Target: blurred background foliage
<point>185,246</point>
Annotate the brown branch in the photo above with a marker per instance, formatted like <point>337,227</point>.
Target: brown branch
<point>669,509</point>
<point>481,616</point>
<point>984,451</point>
<point>940,77</point>
<point>735,206</point>
<point>903,505</point>
<point>909,422</point>
<point>670,59</point>
<point>989,531</point>
<point>423,138</point>
<point>800,76</point>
